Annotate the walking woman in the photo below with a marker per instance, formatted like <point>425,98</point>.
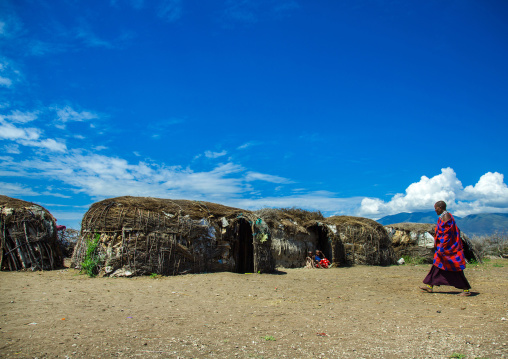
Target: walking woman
<point>449,262</point>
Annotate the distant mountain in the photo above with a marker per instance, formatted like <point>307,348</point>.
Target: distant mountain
<point>417,217</point>
<point>474,224</point>
<point>484,223</point>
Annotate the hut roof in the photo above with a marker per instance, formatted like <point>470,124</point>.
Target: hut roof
<point>14,203</point>
<point>293,219</point>
<point>350,221</point>
<point>113,213</point>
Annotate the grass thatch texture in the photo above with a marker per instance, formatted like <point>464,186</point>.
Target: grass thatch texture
<point>145,213</point>
<point>290,234</point>
<point>142,235</point>
<point>364,241</point>
<point>290,220</point>
<point>293,213</point>
<point>28,236</point>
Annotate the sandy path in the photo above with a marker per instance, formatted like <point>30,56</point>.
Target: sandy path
<point>359,312</point>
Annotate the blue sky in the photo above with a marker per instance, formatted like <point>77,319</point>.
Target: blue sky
<point>353,107</point>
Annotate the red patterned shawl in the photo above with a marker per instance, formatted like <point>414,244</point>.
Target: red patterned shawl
<point>449,252</point>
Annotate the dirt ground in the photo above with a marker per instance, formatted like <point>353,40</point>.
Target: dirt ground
<point>358,312</point>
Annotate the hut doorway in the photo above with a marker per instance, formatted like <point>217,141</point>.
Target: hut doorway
<point>322,242</point>
<point>245,248</point>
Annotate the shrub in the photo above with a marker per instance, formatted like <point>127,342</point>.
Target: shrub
<point>90,264</point>
<point>493,245</point>
<point>414,260</point>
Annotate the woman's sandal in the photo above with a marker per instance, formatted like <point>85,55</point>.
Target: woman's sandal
<point>426,289</point>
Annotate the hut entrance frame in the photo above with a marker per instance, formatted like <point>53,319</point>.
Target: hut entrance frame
<point>322,241</point>
<point>244,252</point>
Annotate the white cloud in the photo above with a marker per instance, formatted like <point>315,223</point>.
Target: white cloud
<point>256,176</point>
<point>21,117</point>
<point>50,144</point>
<point>101,176</point>
<point>247,145</point>
<point>12,148</point>
<point>67,114</point>
<point>488,194</point>
<point>16,189</point>
<point>27,136</point>
<point>210,154</point>
<point>490,190</point>
<point>8,72</point>
<point>10,132</point>
<point>4,81</point>
<point>49,193</point>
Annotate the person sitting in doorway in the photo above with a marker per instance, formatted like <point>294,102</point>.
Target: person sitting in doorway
<point>320,260</point>
<point>309,260</point>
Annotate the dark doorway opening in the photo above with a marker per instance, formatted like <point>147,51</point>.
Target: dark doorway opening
<point>322,242</point>
<point>245,248</point>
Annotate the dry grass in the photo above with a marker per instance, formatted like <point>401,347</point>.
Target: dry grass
<point>293,214</point>
<point>493,245</point>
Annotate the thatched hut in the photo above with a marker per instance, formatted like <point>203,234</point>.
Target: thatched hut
<point>416,240</point>
<point>294,232</point>
<point>140,235</point>
<point>364,241</point>
<point>28,236</point>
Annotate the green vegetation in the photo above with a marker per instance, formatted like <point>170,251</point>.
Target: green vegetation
<point>457,356</point>
<point>268,337</point>
<point>472,263</point>
<point>90,264</point>
<point>487,262</point>
<point>154,276</point>
<point>414,260</point>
